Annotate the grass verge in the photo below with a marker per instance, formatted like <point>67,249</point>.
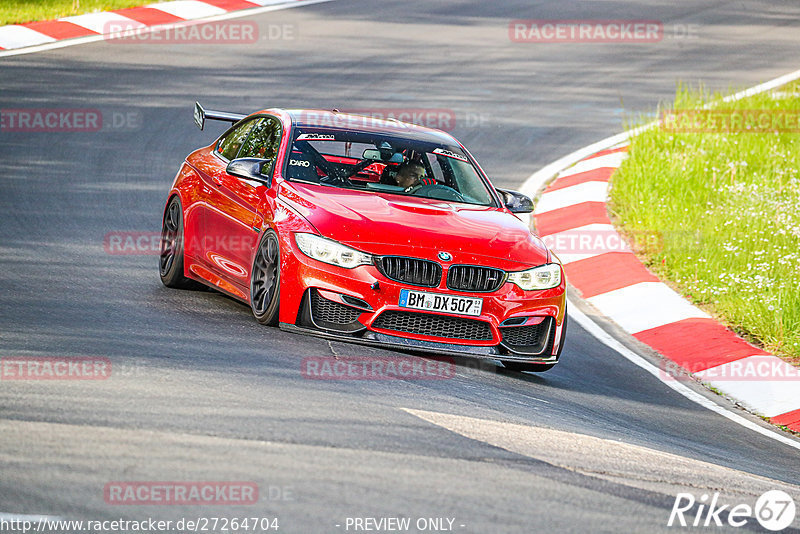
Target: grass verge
<point>720,189</point>
<point>21,11</point>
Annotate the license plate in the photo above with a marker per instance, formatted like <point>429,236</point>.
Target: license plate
<point>421,300</point>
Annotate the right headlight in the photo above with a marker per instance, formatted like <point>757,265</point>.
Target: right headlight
<point>330,251</point>
<point>543,277</point>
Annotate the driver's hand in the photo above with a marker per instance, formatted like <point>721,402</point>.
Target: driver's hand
<point>421,183</point>
<point>426,181</point>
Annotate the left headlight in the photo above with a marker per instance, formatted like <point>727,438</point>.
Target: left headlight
<point>330,251</point>
<point>543,277</point>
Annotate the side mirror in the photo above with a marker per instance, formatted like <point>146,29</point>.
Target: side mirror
<point>516,202</point>
<point>249,168</point>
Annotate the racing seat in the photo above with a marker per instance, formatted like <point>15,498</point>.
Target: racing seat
<point>387,175</point>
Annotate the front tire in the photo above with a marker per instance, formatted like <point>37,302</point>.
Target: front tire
<point>265,280</point>
<point>170,260</point>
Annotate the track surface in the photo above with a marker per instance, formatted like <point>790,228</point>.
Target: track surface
<point>201,392</point>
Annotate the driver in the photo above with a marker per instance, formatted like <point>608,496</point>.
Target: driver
<point>412,174</point>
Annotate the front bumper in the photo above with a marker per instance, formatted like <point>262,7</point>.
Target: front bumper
<point>378,339</point>
<point>372,297</point>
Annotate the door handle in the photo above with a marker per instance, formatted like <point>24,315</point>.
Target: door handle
<point>216,180</point>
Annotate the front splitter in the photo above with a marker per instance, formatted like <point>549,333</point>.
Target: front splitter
<point>376,339</point>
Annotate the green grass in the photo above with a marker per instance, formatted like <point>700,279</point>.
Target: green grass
<point>21,11</point>
<point>726,207</point>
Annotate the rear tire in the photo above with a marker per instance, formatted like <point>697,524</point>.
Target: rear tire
<point>170,260</point>
<point>265,280</point>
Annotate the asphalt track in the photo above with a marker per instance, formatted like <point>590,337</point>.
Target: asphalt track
<point>201,392</point>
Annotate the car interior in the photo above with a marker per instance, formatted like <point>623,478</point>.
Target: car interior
<point>372,164</point>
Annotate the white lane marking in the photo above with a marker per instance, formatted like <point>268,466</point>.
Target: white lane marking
<point>94,38</point>
<point>536,182</point>
<point>614,160</point>
<point>99,22</point>
<point>667,379</point>
<point>766,86</point>
<point>586,231</point>
<point>644,306</point>
<point>188,9</point>
<point>639,466</point>
<point>779,95</point>
<point>768,385</point>
<point>569,196</point>
<point>18,36</point>
<point>567,258</point>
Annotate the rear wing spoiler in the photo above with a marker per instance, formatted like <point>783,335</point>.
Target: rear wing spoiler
<point>200,116</point>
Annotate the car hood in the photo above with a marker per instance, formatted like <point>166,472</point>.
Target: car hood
<point>392,224</point>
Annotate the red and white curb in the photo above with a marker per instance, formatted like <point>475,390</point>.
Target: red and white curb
<point>45,35</point>
<point>614,281</point>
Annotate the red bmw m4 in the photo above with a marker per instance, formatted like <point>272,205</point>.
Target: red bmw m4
<point>365,230</point>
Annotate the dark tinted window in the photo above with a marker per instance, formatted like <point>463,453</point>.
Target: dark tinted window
<point>263,141</point>
<point>230,144</point>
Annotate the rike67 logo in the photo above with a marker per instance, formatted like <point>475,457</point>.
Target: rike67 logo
<point>774,510</point>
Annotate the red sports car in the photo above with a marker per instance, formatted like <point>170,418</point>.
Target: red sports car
<point>366,230</point>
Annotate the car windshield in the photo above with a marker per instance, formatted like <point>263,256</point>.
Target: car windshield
<point>374,162</point>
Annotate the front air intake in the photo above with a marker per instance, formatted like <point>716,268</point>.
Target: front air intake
<point>412,271</point>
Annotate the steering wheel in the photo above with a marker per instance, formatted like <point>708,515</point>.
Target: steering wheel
<point>335,179</point>
<point>437,191</point>
<point>333,174</point>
